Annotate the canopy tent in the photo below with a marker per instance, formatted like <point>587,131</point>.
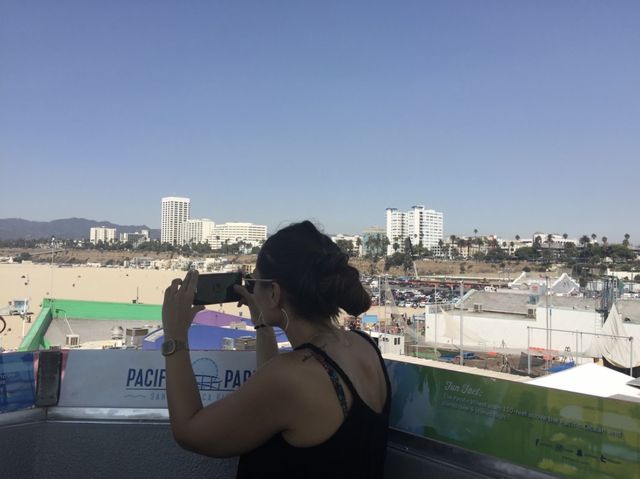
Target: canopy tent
<point>619,351</point>
<point>216,318</point>
<point>593,380</point>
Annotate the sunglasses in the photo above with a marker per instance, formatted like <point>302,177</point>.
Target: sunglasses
<point>250,282</point>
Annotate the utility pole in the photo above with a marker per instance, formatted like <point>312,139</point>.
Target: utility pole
<point>435,324</point>
<point>461,323</point>
<point>548,323</point>
<point>53,244</point>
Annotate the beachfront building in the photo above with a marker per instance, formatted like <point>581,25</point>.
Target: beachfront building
<point>175,211</point>
<point>419,224</point>
<point>195,231</point>
<point>354,242</point>
<point>136,239</point>
<point>102,233</point>
<point>231,233</point>
<point>552,240</point>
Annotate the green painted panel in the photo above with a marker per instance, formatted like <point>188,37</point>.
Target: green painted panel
<point>564,433</point>
<point>97,310</point>
<point>35,336</point>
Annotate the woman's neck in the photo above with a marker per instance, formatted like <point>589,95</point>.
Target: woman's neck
<point>302,331</point>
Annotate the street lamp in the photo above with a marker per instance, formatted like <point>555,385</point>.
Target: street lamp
<point>53,243</point>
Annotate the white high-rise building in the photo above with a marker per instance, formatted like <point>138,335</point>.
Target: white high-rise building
<point>395,229</point>
<point>418,224</point>
<point>102,233</point>
<point>232,233</point>
<point>175,211</point>
<point>196,231</point>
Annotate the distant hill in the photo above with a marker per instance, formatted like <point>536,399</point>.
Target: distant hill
<point>69,228</point>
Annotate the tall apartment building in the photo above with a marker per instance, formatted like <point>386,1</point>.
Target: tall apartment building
<point>236,232</point>
<point>175,211</point>
<point>419,224</point>
<point>102,233</point>
<point>195,231</point>
<point>395,229</point>
<point>136,238</point>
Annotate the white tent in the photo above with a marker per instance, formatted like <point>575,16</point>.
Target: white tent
<point>593,380</point>
<point>619,351</point>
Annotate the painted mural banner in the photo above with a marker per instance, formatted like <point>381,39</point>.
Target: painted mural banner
<point>558,432</point>
<point>137,379</point>
<point>17,382</point>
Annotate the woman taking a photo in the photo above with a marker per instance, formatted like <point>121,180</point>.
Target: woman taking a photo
<point>321,410</point>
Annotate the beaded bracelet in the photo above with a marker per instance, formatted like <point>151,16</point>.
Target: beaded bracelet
<point>258,326</point>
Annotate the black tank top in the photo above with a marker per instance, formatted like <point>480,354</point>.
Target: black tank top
<point>356,450</point>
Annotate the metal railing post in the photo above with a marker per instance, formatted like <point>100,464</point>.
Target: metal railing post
<point>631,356</point>
<point>529,350</point>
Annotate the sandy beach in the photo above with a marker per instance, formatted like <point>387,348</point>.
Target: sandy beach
<point>123,285</point>
<point>36,282</point>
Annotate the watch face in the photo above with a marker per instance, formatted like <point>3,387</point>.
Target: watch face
<point>169,347</point>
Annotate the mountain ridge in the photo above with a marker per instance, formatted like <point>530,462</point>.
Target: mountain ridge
<point>64,228</point>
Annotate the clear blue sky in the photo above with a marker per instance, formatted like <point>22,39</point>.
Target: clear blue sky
<point>509,117</point>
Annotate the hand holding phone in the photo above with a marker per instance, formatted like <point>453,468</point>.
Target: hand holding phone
<point>215,288</point>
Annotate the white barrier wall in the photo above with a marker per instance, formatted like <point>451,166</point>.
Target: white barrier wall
<point>490,332</point>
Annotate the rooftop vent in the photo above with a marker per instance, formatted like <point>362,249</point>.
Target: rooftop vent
<point>531,312</point>
<point>135,336</point>
<point>477,307</point>
<point>245,343</point>
<point>117,332</point>
<point>72,340</point>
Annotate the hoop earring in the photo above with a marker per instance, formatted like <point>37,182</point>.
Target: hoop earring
<point>286,316</point>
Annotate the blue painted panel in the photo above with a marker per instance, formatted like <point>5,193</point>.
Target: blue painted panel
<point>17,382</point>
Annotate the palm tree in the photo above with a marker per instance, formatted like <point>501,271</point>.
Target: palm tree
<point>594,236</point>
<point>461,243</point>
<point>584,240</point>
<point>626,240</point>
<point>537,241</point>
<point>604,240</point>
<point>549,240</point>
<point>475,231</point>
<point>565,235</point>
<point>517,237</point>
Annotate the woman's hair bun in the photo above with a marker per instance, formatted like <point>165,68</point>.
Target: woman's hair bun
<point>314,272</point>
<point>331,263</point>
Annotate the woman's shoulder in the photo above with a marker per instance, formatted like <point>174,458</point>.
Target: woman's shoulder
<point>289,365</point>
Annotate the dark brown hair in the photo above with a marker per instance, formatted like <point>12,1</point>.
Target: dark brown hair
<point>313,271</point>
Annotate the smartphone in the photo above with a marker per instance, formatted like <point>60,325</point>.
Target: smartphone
<point>214,288</point>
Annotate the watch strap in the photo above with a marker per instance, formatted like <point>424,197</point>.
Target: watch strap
<point>171,346</point>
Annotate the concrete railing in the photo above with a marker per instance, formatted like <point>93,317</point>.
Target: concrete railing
<point>103,414</point>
